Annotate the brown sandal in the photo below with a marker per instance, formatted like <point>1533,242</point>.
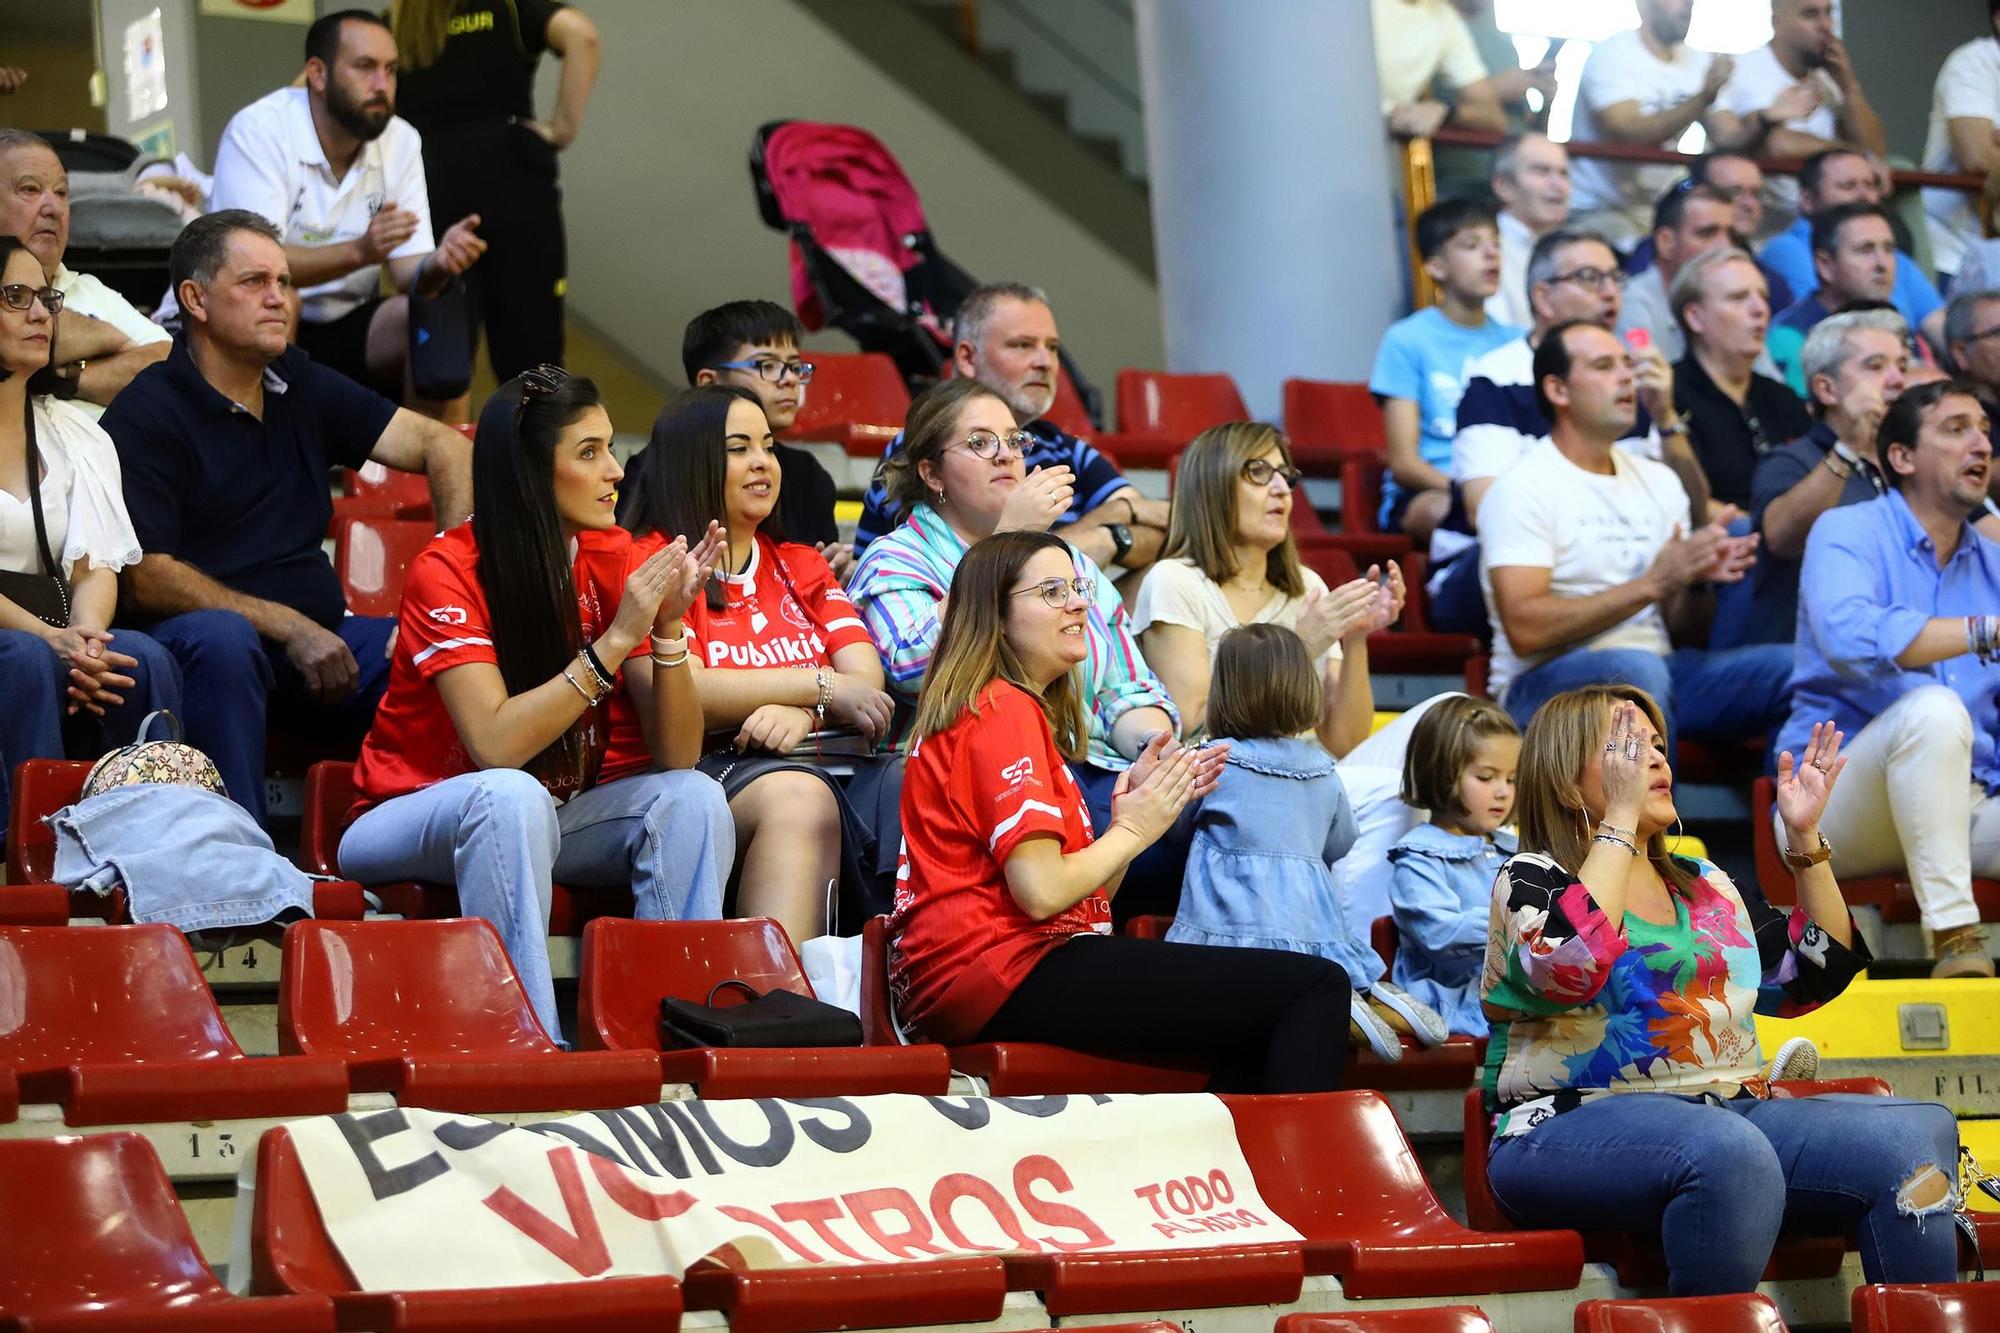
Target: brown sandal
<point>1961,952</point>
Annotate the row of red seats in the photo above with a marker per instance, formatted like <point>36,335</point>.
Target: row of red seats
<point>111,1249</point>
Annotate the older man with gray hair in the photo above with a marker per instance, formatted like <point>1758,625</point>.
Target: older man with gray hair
<point>1972,336</point>
<point>1005,337</point>
<point>101,340</point>
<point>1531,181</point>
<point>1855,366</point>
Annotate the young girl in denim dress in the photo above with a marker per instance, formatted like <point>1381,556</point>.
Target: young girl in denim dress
<point>1263,843</point>
<point>1460,767</point>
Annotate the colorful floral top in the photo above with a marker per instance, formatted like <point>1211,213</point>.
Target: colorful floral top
<point>1645,1007</point>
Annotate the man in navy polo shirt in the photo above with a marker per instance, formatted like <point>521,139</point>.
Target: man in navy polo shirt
<point>226,448</point>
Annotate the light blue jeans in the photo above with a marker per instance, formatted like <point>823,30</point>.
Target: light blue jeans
<point>1722,694</point>
<point>1717,1181</point>
<point>500,837</point>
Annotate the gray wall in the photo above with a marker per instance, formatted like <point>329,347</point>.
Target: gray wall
<point>663,222</point>
<point>1897,47</point>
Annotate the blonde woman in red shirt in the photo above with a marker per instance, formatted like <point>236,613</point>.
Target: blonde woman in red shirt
<point>1002,927</point>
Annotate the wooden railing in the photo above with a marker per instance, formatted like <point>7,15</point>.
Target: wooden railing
<point>1420,180</point>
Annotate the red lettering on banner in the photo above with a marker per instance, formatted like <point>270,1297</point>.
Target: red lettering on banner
<point>961,1185</point>
<point>1183,1205</point>
<point>816,1213</point>
<point>778,1233</point>
<point>1218,1180</point>
<point>582,1248</point>
<point>1151,1194</point>
<point>635,1198</point>
<point>908,1243</point>
<point>1036,1167</point>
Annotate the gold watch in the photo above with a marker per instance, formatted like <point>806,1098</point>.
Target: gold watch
<point>1807,860</point>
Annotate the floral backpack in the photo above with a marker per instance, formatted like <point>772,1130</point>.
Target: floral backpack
<point>170,762</point>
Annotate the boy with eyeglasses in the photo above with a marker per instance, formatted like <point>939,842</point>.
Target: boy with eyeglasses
<point>754,345</point>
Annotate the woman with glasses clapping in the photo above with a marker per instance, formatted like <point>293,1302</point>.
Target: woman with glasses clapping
<point>961,477</point>
<point>1003,904</point>
<point>75,687</point>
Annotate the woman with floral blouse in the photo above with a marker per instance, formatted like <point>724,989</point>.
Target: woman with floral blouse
<point>1623,1069</point>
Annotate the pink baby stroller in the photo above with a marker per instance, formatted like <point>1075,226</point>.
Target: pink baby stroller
<point>862,255</point>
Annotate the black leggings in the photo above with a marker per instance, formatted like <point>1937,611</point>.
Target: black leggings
<point>1261,1020</point>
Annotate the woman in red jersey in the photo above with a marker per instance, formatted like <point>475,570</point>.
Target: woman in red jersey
<point>777,654</point>
<point>1002,927</point>
<point>483,767</point>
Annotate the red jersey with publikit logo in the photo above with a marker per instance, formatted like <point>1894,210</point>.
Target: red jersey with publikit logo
<point>443,622</point>
<point>971,795</point>
<point>763,623</point>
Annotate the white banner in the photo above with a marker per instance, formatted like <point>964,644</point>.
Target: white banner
<point>419,1200</point>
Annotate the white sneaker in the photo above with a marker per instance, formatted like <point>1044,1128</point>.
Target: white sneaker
<point>1380,1037</point>
<point>1796,1061</point>
<point>1427,1025</point>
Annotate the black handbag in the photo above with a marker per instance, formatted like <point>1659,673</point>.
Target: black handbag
<point>441,340</point>
<point>772,1018</point>
<point>43,594</point>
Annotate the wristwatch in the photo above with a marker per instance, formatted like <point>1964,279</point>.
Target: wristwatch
<point>1121,541</point>
<point>68,386</point>
<point>1807,860</point>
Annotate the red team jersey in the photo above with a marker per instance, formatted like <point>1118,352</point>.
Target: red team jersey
<point>444,622</point>
<point>971,794</point>
<point>761,624</point>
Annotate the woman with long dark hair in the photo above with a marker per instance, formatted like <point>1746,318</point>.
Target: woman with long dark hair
<point>73,685</point>
<point>1624,1073</point>
<point>484,767</point>
<point>777,653</point>
<point>1003,903</point>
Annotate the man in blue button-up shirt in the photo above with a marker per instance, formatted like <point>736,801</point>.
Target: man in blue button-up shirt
<point>1897,599</point>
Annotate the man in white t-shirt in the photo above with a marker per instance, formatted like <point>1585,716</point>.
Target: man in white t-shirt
<point>1531,181</point>
<point>342,178</point>
<point>1964,136</point>
<point>1804,63</point>
<point>101,338</point>
<point>1593,569</point>
<point>1647,86</point>
<point>1420,43</point>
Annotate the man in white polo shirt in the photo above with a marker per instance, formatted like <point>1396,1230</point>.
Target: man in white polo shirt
<point>342,178</point>
<point>101,338</point>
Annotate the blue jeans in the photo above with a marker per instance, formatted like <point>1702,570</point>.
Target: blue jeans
<point>34,725</point>
<point>1728,695</point>
<point>500,837</point>
<point>237,684</point>
<point>1716,1182</point>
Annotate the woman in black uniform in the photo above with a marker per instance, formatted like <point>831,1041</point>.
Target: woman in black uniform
<point>467,83</point>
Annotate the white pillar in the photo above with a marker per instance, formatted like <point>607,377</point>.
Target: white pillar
<point>1270,174</point>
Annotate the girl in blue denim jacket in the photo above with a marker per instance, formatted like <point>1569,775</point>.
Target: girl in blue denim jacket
<point>1460,767</point>
<point>1262,845</point>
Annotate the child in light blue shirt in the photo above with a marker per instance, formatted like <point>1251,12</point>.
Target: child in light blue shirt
<point>1262,845</point>
<point>1460,766</point>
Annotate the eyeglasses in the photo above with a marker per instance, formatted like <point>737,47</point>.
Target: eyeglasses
<point>986,444</point>
<point>1259,471</point>
<point>771,370</point>
<point>539,382</point>
<point>1592,277</point>
<point>1057,592</point>
<point>20,296</point>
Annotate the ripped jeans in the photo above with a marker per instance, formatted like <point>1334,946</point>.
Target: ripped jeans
<point>1717,1181</point>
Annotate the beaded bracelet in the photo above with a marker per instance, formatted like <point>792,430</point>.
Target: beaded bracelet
<point>1609,839</point>
<point>596,665</point>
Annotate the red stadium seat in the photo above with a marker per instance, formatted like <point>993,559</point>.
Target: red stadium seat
<point>117,1024</point>
<point>1067,413</point>
<point>373,490</point>
<point>1747,1313</point>
<point>1012,1068</point>
<point>10,1095</point>
<point>1435,1319</point>
<point>629,966</point>
<point>1310,531</point>
<point>1638,1259</point>
<point>1159,412</point>
<point>1384,938</point>
<point>805,1299</point>
<point>292,1253</point>
<point>1338,1168</point>
<point>1930,1307</point>
<point>44,786</point>
<point>1149,927</point>
<point>1361,492</point>
<point>109,1248</point>
<point>34,905</point>
<point>1892,894</point>
<point>330,794</point>
<point>1328,422</point>
<point>433,1012</point>
<point>1391,651</point>
<point>856,400</point>
<point>1145,1281</point>
<point>372,556</point>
